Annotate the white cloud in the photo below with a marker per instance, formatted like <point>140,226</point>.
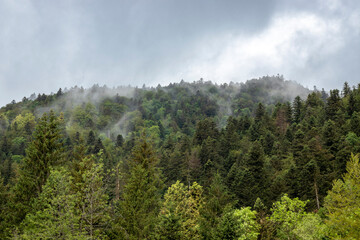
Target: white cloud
<point>286,47</point>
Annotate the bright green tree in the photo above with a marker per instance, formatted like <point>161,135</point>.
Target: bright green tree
<point>54,214</point>
<point>92,200</point>
<point>238,224</point>
<point>342,203</point>
<point>310,227</point>
<point>180,213</point>
<point>286,213</point>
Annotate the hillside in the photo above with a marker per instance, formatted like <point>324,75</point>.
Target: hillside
<point>142,154</point>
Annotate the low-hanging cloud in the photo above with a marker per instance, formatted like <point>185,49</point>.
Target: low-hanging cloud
<point>47,45</point>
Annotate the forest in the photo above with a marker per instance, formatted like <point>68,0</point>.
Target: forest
<point>264,159</point>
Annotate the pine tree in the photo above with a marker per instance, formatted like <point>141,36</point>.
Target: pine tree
<point>333,105</point>
<point>346,89</point>
<point>259,113</point>
<point>141,195</point>
<point>119,140</point>
<point>238,224</point>
<point>216,201</point>
<point>44,151</point>
<point>298,109</point>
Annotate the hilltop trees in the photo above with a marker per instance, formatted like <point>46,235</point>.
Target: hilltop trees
<point>186,161</point>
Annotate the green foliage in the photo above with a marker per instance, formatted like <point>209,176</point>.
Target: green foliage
<point>286,213</point>
<point>239,224</point>
<point>180,214</point>
<point>43,152</point>
<point>343,203</point>
<point>54,214</point>
<point>247,133</point>
<point>310,227</point>
<point>217,199</point>
<point>292,222</point>
<point>92,200</point>
<point>141,195</point>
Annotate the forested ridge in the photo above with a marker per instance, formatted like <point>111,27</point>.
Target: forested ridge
<point>264,159</point>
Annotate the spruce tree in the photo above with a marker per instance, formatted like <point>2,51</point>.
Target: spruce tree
<point>217,199</point>
<point>298,109</point>
<point>141,195</point>
<point>44,151</point>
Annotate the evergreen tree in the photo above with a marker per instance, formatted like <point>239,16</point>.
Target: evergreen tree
<point>91,138</point>
<point>3,206</point>
<point>216,201</point>
<point>119,140</point>
<point>298,108</point>
<point>43,152</point>
<point>259,113</point>
<point>204,129</point>
<point>141,195</point>
<point>333,105</point>
<point>346,90</point>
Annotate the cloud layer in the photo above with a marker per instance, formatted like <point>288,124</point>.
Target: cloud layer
<point>45,45</point>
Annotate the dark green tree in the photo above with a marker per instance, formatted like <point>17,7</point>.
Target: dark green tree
<point>140,202</point>
<point>45,151</point>
<point>346,89</point>
<point>217,199</point>
<point>333,105</point>
<point>297,109</point>
<point>119,140</point>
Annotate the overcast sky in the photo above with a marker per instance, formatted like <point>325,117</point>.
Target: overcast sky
<point>45,45</point>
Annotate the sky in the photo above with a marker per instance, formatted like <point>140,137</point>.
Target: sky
<point>46,45</point>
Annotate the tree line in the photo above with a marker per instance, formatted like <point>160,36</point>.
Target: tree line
<point>180,168</point>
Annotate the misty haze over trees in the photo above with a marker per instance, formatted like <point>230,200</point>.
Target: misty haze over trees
<point>265,159</point>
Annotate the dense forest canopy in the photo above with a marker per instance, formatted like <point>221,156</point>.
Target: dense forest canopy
<point>264,159</point>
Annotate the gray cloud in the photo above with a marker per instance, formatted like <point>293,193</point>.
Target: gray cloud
<point>45,45</point>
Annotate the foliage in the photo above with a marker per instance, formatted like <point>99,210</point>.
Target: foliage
<point>141,195</point>
<point>180,213</point>
<point>343,203</point>
<point>239,224</point>
<point>55,215</point>
<point>128,152</point>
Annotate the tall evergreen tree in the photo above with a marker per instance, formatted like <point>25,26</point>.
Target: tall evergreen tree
<point>44,151</point>
<point>217,199</point>
<point>141,195</point>
<point>298,108</point>
<point>333,104</point>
